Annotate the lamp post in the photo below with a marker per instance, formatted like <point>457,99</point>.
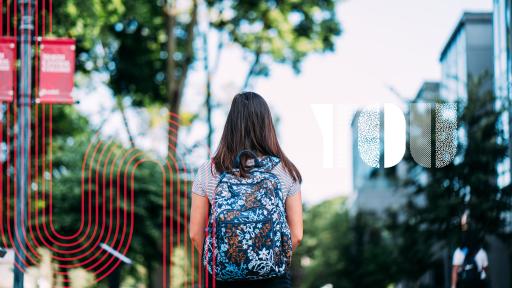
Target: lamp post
<point>25,29</point>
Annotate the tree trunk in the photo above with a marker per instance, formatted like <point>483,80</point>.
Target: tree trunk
<point>149,269</point>
<point>176,83</point>
<point>252,69</point>
<point>171,49</point>
<point>208,93</point>
<point>120,106</point>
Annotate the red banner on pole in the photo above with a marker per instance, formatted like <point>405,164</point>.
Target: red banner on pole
<point>57,68</point>
<point>7,68</point>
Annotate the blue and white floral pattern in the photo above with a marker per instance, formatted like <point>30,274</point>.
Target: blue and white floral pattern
<point>248,236</point>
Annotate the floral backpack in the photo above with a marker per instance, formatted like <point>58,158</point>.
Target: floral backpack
<point>248,237</point>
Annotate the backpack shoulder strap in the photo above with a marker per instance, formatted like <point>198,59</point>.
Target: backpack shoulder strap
<point>469,256</point>
<point>268,163</point>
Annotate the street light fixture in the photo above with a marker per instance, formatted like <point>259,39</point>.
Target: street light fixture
<point>116,253</point>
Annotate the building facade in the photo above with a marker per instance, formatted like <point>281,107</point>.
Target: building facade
<point>429,92</point>
<point>503,48</point>
<point>480,46</point>
<point>467,54</point>
<point>503,78</point>
<point>502,18</point>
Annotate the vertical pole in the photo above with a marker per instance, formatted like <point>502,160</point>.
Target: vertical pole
<point>208,95</point>
<point>26,26</point>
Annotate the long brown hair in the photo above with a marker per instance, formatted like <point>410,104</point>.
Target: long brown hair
<point>249,126</point>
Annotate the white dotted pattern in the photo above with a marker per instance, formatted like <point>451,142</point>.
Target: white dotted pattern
<point>446,134</point>
<point>368,132</point>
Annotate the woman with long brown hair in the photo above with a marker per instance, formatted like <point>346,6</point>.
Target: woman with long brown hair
<point>246,214</point>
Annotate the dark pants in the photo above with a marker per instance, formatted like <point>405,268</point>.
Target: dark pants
<point>275,282</point>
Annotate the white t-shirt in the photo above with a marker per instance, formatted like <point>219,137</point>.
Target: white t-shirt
<point>480,258</point>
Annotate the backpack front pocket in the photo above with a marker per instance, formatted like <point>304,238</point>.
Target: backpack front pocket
<point>245,249</point>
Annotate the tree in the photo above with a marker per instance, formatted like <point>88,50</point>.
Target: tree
<point>433,212</point>
<point>148,47</point>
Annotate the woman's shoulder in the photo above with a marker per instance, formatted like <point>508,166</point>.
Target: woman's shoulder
<point>207,168</point>
<point>290,185</point>
<point>482,252</point>
<point>281,171</point>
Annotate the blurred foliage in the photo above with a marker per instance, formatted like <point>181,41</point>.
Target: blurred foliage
<point>181,262</point>
<point>283,31</point>
<point>345,250</point>
<point>130,40</point>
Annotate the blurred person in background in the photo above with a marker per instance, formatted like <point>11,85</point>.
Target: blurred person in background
<point>470,262</point>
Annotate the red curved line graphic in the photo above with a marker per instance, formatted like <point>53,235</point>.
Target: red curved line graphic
<point>117,223</point>
<point>119,247</point>
<point>83,246</point>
